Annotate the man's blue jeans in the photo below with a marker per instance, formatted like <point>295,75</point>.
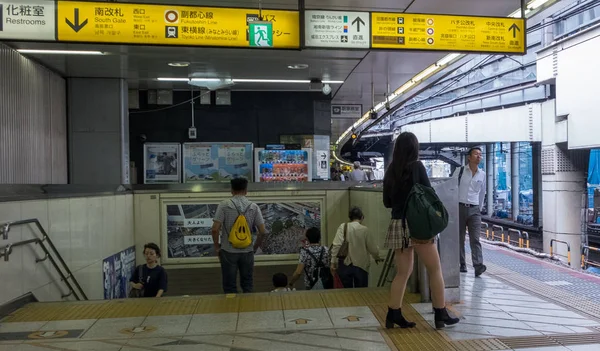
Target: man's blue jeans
<point>230,264</point>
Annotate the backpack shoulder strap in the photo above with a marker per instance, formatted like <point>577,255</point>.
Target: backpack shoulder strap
<point>235,206</point>
<point>460,174</point>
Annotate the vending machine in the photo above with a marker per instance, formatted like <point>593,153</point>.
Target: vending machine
<point>283,163</point>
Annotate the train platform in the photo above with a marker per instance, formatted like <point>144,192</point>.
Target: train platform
<point>520,303</point>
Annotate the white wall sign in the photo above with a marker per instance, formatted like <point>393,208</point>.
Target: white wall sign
<point>346,111</point>
<point>323,164</point>
<point>28,20</point>
<point>337,29</point>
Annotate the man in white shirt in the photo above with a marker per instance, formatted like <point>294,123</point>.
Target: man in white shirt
<point>358,175</point>
<point>471,194</point>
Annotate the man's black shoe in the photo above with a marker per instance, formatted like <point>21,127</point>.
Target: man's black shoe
<point>480,270</point>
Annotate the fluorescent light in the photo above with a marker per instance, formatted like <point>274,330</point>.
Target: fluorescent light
<point>235,80</point>
<point>447,59</point>
<point>303,81</point>
<point>59,52</point>
<point>173,79</point>
<point>425,73</point>
<point>536,3</point>
<point>208,79</point>
<point>179,64</point>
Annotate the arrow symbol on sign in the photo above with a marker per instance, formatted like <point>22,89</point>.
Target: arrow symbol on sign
<point>77,26</point>
<point>358,21</point>
<point>514,29</point>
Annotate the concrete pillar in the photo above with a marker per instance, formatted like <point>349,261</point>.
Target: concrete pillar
<point>98,131</point>
<point>489,169</point>
<point>514,183</point>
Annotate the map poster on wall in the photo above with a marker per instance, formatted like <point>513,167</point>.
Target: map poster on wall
<point>188,228</point>
<point>116,271</point>
<point>161,163</point>
<point>216,162</point>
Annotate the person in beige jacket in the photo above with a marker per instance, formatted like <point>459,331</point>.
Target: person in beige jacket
<point>354,269</point>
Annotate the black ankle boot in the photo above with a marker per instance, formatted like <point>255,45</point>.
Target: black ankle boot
<point>395,317</point>
<point>442,318</point>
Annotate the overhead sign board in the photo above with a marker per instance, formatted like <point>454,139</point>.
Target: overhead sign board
<point>447,32</point>
<point>346,111</point>
<point>110,22</point>
<point>27,20</point>
<point>337,29</point>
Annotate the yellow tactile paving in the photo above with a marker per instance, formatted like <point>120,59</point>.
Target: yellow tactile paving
<point>219,304</point>
<point>81,311</point>
<point>375,296</point>
<point>343,299</point>
<point>129,308</point>
<point>34,313</point>
<point>302,301</point>
<point>175,307</point>
<point>260,302</point>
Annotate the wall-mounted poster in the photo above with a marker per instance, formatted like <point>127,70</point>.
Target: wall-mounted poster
<point>188,228</point>
<point>216,162</point>
<point>162,163</point>
<point>117,270</point>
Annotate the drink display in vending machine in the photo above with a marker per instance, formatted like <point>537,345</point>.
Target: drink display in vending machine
<point>277,164</point>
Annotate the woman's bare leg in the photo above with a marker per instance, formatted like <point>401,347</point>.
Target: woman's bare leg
<point>428,254</point>
<point>404,266</point>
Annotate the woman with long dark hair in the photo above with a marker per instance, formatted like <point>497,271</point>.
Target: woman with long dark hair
<point>397,183</point>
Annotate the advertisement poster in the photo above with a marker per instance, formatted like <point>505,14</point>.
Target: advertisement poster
<point>161,163</point>
<point>216,162</point>
<point>189,225</point>
<point>116,271</point>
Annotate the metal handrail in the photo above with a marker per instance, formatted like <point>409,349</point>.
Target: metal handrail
<point>584,256</point>
<point>487,229</point>
<point>525,239</point>
<point>494,227</point>
<point>562,242</point>
<point>516,231</point>
<point>4,230</point>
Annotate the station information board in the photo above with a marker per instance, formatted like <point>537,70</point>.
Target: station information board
<point>110,22</point>
<point>403,31</point>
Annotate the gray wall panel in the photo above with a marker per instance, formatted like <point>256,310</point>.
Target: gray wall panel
<point>32,122</point>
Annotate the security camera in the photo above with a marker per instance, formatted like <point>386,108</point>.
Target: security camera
<point>326,89</point>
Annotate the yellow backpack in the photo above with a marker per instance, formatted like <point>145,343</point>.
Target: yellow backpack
<point>240,236</point>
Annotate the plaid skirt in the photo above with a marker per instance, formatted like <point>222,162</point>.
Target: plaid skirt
<point>399,238</point>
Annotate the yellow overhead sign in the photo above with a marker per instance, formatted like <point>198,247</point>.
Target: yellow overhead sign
<point>447,32</point>
<point>111,22</point>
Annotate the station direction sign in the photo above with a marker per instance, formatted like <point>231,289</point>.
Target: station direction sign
<point>110,22</point>
<point>402,31</point>
<point>337,29</point>
<point>27,20</point>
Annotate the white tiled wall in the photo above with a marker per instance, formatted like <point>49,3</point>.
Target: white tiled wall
<point>84,230</point>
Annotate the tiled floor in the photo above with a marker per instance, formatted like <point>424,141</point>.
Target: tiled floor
<point>496,314</point>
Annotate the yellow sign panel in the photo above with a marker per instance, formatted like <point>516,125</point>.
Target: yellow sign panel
<point>111,22</point>
<point>447,32</point>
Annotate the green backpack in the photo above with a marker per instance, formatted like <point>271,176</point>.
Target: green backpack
<point>424,211</point>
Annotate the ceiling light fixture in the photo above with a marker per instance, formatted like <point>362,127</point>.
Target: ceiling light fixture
<point>536,3</point>
<point>243,80</point>
<point>298,66</point>
<point>59,52</point>
<point>179,64</point>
